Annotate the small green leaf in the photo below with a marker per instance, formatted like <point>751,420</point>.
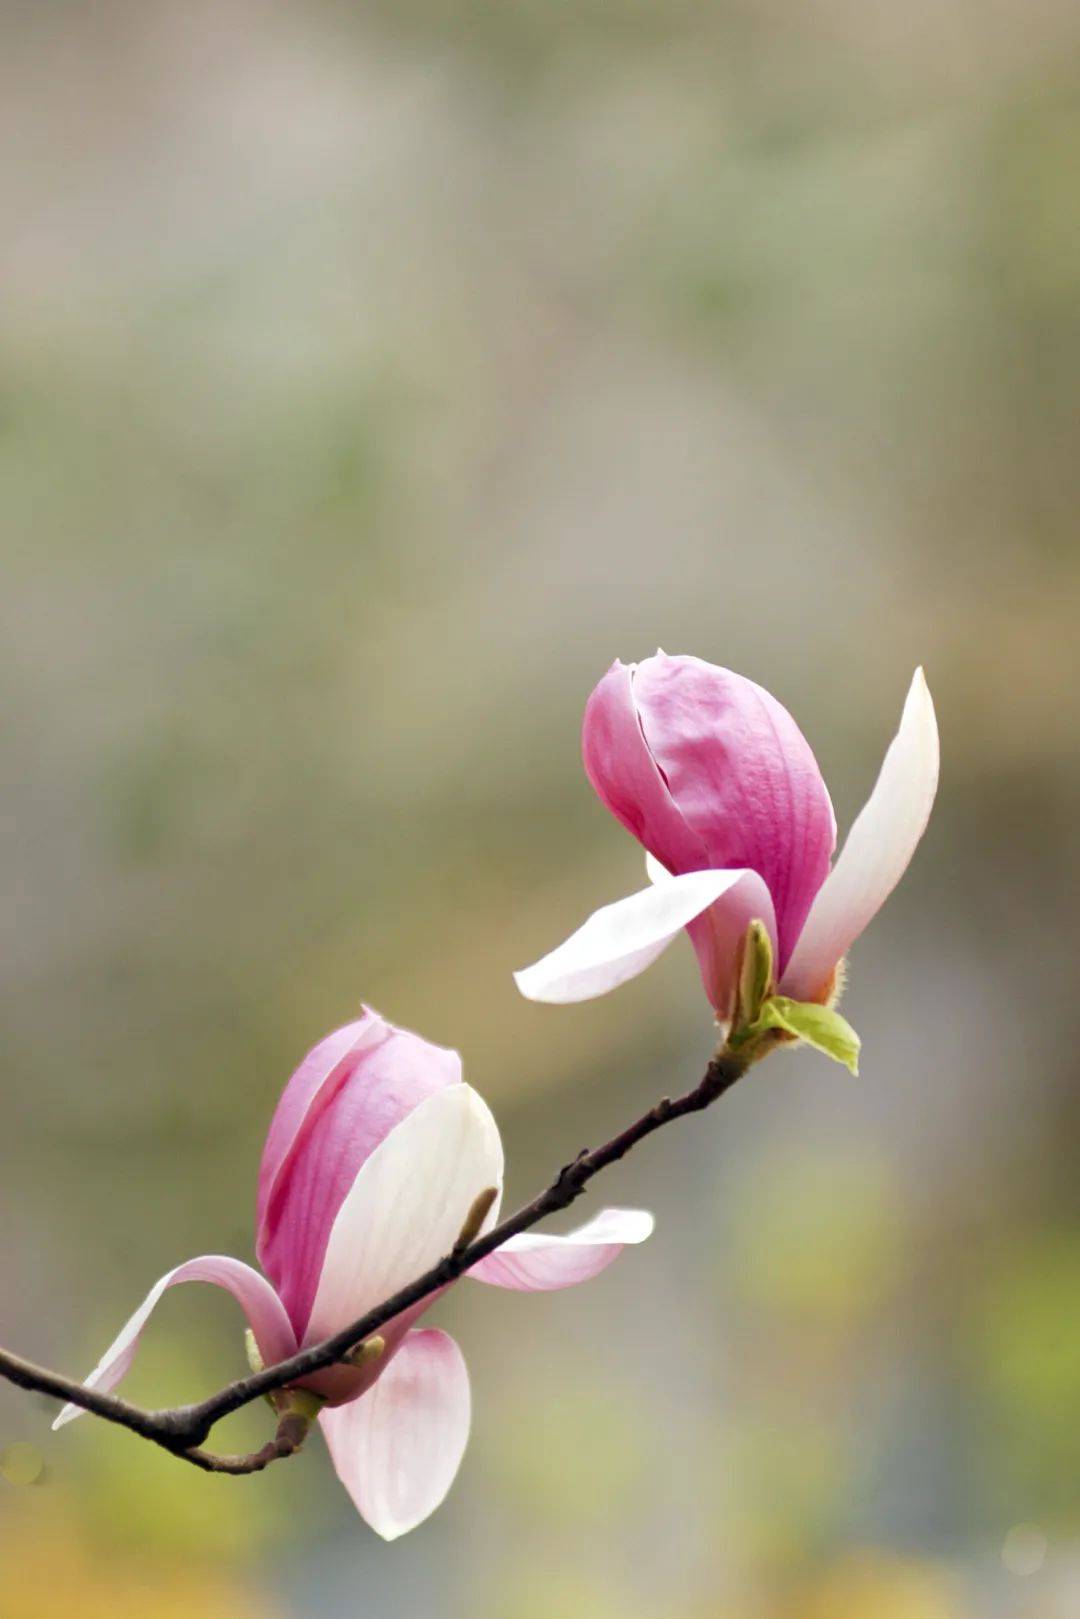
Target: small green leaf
<point>819,1026</point>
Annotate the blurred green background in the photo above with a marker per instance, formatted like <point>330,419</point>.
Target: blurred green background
<point>370,377</point>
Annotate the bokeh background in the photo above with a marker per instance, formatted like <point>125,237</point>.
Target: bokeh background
<point>370,377</point>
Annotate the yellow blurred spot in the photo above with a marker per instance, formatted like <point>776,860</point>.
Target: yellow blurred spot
<point>519,1595</point>
<point>878,1585</point>
<point>1025,1548</point>
<point>22,1463</point>
<point>52,1570</point>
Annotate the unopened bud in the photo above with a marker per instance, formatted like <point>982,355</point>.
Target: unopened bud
<point>297,1403</point>
<point>365,1353</point>
<point>755,973</point>
<point>476,1216</point>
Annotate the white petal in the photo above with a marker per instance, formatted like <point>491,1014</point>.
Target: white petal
<point>397,1449</point>
<point>536,1262</point>
<point>407,1205</point>
<point>654,871</point>
<point>265,1312</point>
<point>877,852</point>
<point>621,940</point>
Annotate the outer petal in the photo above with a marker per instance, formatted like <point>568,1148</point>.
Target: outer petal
<point>407,1205</point>
<point>877,852</point>
<point>264,1310</point>
<point>621,940</point>
<point>344,1099</point>
<point>398,1448</point>
<point>323,1067</point>
<point>744,778</point>
<point>537,1263</point>
<point>625,776</point>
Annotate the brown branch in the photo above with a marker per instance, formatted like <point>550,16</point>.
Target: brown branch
<point>291,1433</point>
<point>183,1429</point>
<point>38,1379</point>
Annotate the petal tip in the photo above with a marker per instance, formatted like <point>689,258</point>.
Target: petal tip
<point>919,691</point>
<point>920,713</point>
<point>523,978</point>
<point>639,1228</point>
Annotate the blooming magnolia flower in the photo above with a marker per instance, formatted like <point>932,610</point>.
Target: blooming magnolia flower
<point>375,1157</point>
<point>714,777</point>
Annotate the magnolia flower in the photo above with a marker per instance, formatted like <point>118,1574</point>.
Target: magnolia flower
<point>714,777</point>
<point>375,1158</point>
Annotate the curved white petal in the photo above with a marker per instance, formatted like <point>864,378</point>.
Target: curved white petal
<point>537,1263</point>
<point>407,1205</point>
<point>398,1448</point>
<point>621,940</point>
<point>265,1312</point>
<point>654,870</point>
<point>879,847</point>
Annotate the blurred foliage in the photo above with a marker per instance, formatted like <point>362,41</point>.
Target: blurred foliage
<point>1026,1368</point>
<point>818,1240</point>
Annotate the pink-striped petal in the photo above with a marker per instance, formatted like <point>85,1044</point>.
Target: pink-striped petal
<point>743,777</point>
<point>264,1310</point>
<point>344,1099</point>
<point>407,1205</point>
<point>535,1262</point>
<point>397,1449</point>
<point>626,778</point>
<point>621,940</point>
<point>878,850</point>
<point>322,1068</point>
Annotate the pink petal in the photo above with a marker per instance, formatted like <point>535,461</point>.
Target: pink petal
<point>625,776</point>
<point>621,940</point>
<point>264,1310</point>
<point>398,1448</point>
<point>407,1205</point>
<point>878,850</point>
<point>323,1065</point>
<point>743,778</point>
<point>535,1262</point>
<point>344,1099</point>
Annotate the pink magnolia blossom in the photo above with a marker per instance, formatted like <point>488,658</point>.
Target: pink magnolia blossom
<point>712,775</point>
<point>374,1158</point>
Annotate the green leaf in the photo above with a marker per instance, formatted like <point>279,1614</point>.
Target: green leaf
<point>819,1026</point>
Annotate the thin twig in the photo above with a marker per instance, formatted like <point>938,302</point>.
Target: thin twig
<point>183,1429</point>
<point>290,1436</point>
